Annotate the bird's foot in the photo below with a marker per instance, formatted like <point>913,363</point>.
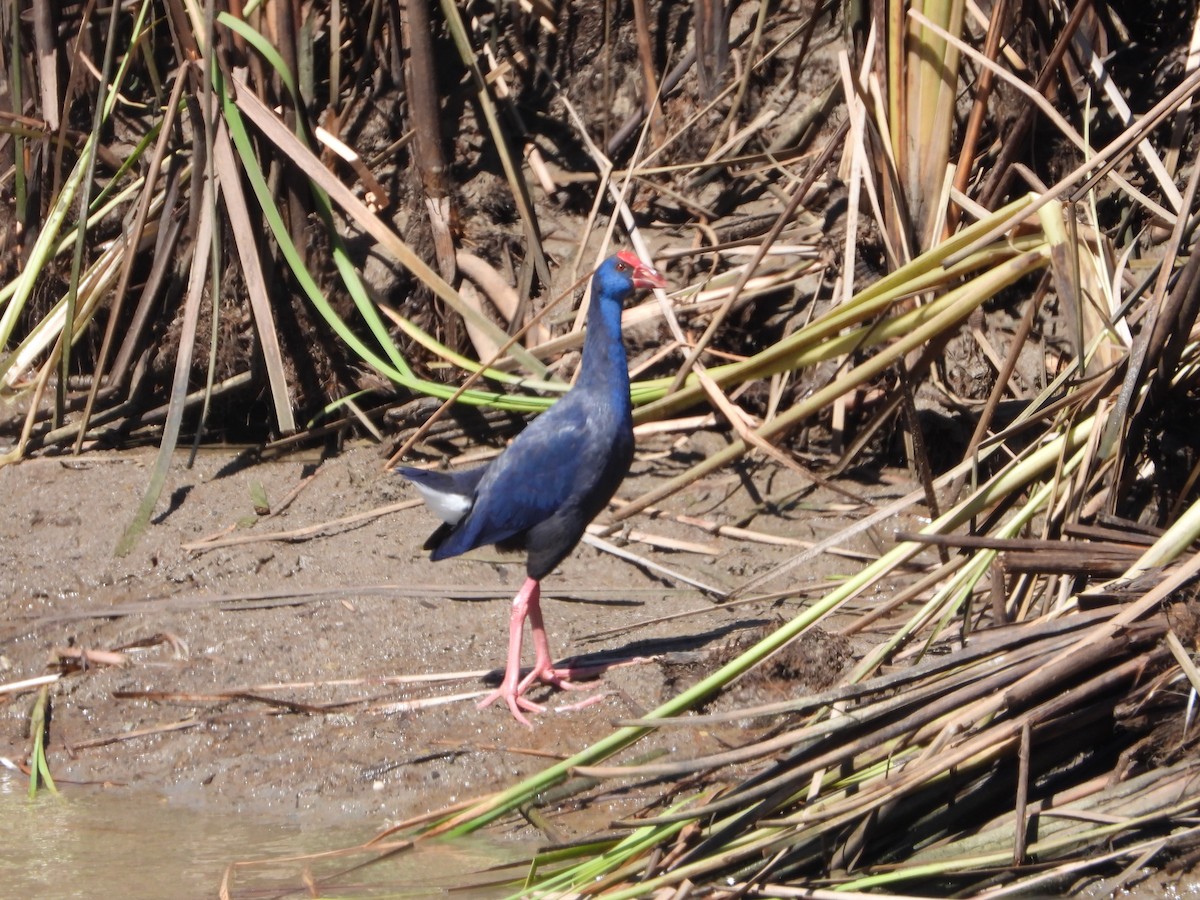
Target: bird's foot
<point>511,694</point>
<point>559,678</point>
<point>584,704</point>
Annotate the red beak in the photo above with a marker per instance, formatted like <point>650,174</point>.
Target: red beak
<point>644,276</point>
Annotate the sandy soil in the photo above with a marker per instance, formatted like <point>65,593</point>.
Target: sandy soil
<point>262,676</point>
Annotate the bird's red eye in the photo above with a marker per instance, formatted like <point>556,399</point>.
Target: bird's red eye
<point>621,267</point>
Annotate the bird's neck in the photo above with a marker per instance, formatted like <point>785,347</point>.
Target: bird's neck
<point>604,364</point>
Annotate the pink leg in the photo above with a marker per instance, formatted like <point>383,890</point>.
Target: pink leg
<point>510,690</point>
<point>527,604</point>
<point>543,663</point>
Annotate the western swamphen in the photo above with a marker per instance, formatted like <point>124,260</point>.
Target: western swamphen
<point>540,493</point>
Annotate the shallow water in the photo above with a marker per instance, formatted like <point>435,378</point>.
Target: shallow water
<point>90,843</point>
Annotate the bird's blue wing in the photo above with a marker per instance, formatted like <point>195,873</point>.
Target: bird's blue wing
<point>542,469</point>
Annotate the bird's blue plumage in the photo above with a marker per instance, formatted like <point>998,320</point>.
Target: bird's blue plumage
<point>560,472</point>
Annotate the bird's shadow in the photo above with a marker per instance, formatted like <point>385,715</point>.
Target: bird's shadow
<point>678,643</point>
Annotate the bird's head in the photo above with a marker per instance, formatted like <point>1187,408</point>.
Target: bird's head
<point>624,273</point>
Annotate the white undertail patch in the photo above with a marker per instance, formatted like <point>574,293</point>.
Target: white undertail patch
<point>448,506</point>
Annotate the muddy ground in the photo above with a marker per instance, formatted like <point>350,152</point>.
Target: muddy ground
<point>263,675</point>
